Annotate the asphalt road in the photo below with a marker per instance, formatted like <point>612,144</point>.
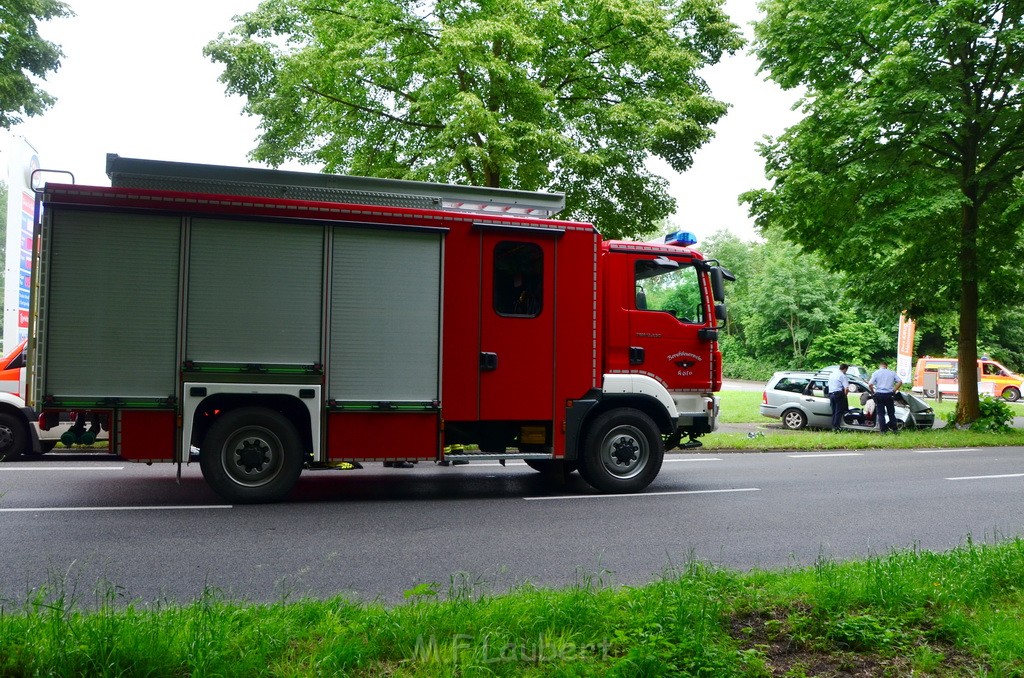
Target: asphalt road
<point>373,533</point>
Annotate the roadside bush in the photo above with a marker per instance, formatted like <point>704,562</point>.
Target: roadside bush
<point>996,416</point>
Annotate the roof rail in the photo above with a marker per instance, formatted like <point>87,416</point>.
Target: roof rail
<point>249,181</point>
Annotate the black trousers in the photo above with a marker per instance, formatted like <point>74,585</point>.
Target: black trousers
<point>837,399</point>
<point>885,406</point>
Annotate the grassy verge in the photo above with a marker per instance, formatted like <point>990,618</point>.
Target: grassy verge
<point>906,613</point>
<point>742,407</point>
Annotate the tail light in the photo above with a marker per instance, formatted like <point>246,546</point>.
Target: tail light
<point>764,397</point>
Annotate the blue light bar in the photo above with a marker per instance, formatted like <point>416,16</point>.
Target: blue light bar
<point>681,239</point>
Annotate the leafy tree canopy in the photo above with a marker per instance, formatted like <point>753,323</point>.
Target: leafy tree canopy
<point>25,57</point>
<point>906,169</point>
<point>567,95</point>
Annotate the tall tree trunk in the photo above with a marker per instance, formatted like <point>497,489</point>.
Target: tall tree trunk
<point>967,408</point>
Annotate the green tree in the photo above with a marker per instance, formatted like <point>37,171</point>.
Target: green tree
<point>568,95</point>
<point>907,165</point>
<point>25,57</point>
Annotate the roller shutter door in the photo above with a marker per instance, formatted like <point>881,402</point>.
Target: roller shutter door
<point>112,305</point>
<point>385,316</point>
<point>255,293</point>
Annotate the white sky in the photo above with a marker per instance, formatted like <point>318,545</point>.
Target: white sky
<point>134,82</point>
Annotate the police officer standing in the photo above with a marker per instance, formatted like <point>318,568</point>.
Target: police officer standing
<point>884,383</point>
<point>838,384</point>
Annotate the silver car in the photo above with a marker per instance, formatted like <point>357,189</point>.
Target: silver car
<point>799,400</point>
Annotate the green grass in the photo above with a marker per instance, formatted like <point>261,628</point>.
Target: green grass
<point>905,613</point>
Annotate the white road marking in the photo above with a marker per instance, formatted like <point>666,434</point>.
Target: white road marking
<point>54,509</point>
<point>641,494</point>
<point>1004,475</point>
<point>519,462</point>
<point>681,461</point>
<point>830,454</point>
<point>949,449</point>
<point>61,468</point>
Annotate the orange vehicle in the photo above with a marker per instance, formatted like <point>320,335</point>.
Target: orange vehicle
<point>993,378</point>
<point>12,374</point>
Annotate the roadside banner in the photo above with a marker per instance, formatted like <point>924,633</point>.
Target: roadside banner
<point>905,348</point>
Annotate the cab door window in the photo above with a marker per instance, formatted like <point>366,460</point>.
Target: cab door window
<point>518,279</point>
<point>668,286</point>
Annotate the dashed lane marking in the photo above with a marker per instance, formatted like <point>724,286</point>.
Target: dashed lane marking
<point>830,454</point>
<point>61,468</point>
<point>642,494</point>
<point>1003,475</point>
<point>949,449</point>
<point>57,509</point>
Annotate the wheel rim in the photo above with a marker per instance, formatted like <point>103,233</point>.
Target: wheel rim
<point>252,456</point>
<point>1011,394</point>
<point>792,419</point>
<point>624,451</point>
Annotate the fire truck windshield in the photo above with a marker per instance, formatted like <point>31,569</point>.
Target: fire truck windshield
<point>674,290</point>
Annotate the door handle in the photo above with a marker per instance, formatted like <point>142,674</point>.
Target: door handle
<point>488,361</point>
<point>636,355</point>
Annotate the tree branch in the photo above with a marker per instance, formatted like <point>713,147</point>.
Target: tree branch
<point>366,109</point>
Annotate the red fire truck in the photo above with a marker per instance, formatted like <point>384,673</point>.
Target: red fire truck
<point>261,322</point>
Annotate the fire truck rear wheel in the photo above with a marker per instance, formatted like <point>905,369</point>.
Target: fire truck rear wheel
<point>251,455</point>
<point>623,452</point>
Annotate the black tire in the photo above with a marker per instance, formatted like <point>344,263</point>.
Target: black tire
<point>794,420</point>
<point>14,439</point>
<point>623,451</point>
<point>252,455</point>
<point>929,393</point>
<point>1011,394</point>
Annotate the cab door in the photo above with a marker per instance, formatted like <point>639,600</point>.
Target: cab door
<point>517,329</point>
<point>665,325</point>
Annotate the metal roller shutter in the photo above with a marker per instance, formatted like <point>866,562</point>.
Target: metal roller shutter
<point>255,293</point>
<point>385,316</point>
<point>126,345</point>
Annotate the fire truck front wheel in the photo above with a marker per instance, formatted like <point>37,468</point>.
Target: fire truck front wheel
<point>623,452</point>
<point>251,455</point>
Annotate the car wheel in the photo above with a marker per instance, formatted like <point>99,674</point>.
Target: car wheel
<point>13,436</point>
<point>794,420</point>
<point>1011,394</point>
<point>929,393</point>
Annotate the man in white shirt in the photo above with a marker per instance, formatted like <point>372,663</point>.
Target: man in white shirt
<point>838,383</point>
<point>884,383</point>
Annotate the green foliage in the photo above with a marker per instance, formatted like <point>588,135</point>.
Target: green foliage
<point>996,416</point>
<point>531,94</point>
<point>25,57</point>
<point>787,311</point>
<point>905,169</point>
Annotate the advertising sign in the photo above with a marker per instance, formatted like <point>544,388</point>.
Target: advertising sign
<point>21,161</point>
<point>905,349</point>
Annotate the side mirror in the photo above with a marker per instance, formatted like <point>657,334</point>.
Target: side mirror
<point>720,312</point>
<point>717,284</point>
